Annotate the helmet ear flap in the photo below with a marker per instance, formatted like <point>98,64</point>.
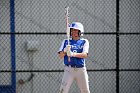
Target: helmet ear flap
<point>79,33</point>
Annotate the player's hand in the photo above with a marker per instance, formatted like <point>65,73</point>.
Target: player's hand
<point>67,48</point>
<point>70,53</point>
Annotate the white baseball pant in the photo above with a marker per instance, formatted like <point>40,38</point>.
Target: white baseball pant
<point>78,74</point>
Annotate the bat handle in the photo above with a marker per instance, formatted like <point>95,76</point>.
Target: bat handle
<point>68,59</point>
<point>69,49</point>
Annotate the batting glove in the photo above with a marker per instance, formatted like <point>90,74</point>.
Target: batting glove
<point>67,48</point>
<point>70,53</point>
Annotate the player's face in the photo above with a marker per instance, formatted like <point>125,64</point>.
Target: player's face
<point>74,34</point>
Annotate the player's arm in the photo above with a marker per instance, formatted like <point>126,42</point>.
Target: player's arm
<point>62,52</point>
<point>80,55</point>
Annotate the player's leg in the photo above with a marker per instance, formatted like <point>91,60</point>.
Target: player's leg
<point>66,81</point>
<point>82,80</point>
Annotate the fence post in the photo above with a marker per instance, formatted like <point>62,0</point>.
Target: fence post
<point>117,46</point>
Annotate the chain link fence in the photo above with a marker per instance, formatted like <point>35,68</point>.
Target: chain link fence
<point>31,32</point>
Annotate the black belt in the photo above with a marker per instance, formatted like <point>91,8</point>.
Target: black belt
<point>74,66</point>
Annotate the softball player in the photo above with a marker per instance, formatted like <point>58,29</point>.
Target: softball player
<point>75,69</point>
